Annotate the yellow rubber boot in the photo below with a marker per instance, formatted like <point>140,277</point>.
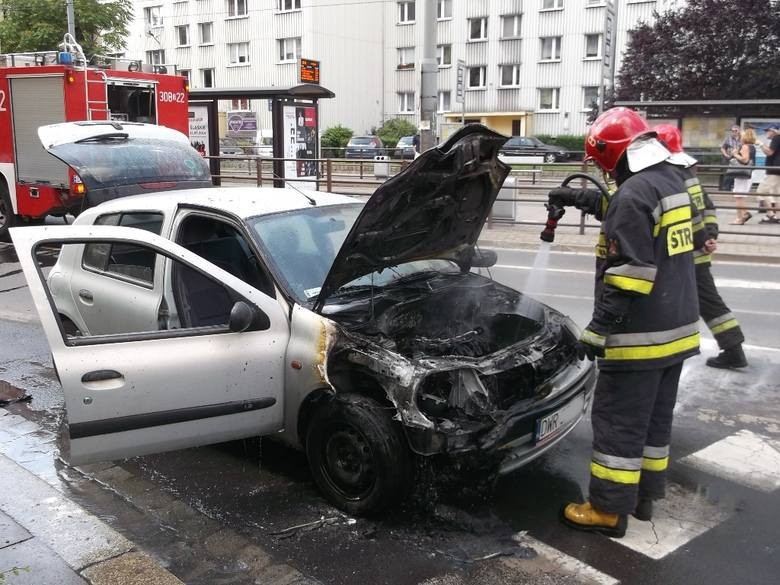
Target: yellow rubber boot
<point>586,517</point>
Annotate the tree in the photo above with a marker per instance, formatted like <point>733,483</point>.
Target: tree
<point>391,130</point>
<point>708,49</point>
<point>336,136</point>
<point>39,25</point>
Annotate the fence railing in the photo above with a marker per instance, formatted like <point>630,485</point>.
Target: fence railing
<point>531,183</point>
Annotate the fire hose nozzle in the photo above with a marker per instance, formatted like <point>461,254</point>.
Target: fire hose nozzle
<point>554,213</point>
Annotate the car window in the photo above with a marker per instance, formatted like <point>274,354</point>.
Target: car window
<point>120,259</point>
<point>303,244</point>
<point>362,140</point>
<point>526,142</point>
<point>185,299</point>
<point>224,245</point>
<point>512,142</point>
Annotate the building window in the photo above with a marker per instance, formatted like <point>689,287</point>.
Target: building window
<point>444,9</point>
<point>444,101</point>
<point>406,102</point>
<point>406,12</point>
<point>510,26</point>
<point>288,5</point>
<point>239,53</point>
<point>510,75</point>
<point>183,35</point>
<point>478,29</point>
<point>592,46</point>
<point>290,49</point>
<point>551,48</point>
<point>207,77</point>
<point>236,8</point>
<point>552,4</point>
<point>590,97</point>
<point>476,77</point>
<point>444,55</point>
<point>405,57</point>
<point>185,73</point>
<point>239,104</point>
<point>156,57</point>
<point>594,3</point>
<point>153,16</point>
<point>549,98</point>
<point>205,30</point>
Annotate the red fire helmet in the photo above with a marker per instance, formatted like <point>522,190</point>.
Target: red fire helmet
<point>611,134</point>
<point>670,135</point>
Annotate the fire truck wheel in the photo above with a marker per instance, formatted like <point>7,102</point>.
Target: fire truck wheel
<point>7,217</point>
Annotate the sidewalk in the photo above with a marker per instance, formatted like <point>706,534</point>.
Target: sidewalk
<point>46,539</point>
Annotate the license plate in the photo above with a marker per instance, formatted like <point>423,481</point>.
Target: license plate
<point>549,426</point>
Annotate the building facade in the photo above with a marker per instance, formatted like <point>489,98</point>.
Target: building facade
<point>531,66</point>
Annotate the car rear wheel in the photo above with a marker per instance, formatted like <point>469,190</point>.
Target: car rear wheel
<point>358,455</point>
<point>549,157</point>
<point>7,217</point>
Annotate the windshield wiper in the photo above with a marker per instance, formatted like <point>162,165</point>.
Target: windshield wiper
<point>105,137</point>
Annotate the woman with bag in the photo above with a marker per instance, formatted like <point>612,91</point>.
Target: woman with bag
<point>745,156</point>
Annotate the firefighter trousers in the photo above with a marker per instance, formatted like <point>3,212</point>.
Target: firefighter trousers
<point>632,424</point>
<point>721,322</point>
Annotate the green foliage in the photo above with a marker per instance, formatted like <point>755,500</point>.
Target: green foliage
<point>38,25</point>
<point>705,50</point>
<point>12,571</point>
<point>574,142</point>
<point>392,130</point>
<point>336,136</point>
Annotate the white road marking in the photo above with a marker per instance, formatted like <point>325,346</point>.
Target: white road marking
<point>677,519</point>
<point>745,458</point>
<point>566,562</point>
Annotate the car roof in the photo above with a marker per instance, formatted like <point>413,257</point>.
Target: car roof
<point>241,201</point>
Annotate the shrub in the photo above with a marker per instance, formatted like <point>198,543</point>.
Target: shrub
<point>574,142</point>
<point>392,130</point>
<point>336,136</point>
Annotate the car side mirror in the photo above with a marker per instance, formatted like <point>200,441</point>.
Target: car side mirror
<point>483,258</point>
<point>244,317</point>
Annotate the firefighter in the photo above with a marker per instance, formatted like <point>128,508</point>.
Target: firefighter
<point>721,322</point>
<point>644,320</point>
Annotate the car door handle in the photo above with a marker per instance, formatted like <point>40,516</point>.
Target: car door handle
<point>100,376</point>
<point>86,295</point>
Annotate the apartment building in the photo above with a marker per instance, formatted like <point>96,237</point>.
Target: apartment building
<point>531,66</point>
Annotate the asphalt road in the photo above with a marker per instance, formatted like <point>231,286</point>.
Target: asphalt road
<point>718,525</point>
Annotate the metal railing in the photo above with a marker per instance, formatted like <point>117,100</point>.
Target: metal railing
<point>532,182</point>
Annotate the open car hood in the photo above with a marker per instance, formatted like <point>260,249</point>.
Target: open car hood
<point>116,159</point>
<point>434,209</point>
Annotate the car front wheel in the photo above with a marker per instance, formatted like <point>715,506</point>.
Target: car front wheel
<point>549,157</point>
<point>7,217</point>
<point>358,455</point>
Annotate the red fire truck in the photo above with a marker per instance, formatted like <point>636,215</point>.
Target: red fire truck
<point>60,86</point>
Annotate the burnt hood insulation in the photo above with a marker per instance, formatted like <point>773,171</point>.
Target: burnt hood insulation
<point>434,209</point>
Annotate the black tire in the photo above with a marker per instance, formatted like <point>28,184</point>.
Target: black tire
<point>550,157</point>
<point>7,217</point>
<point>358,455</point>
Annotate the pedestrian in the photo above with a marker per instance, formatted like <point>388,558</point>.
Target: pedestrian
<point>770,184</point>
<point>715,313</point>
<point>644,320</point>
<point>416,145</point>
<point>745,156</point>
<point>727,149</point>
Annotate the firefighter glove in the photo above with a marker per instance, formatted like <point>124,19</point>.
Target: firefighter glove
<point>591,344</point>
<point>584,199</point>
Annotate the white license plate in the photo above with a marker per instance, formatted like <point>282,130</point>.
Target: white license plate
<point>555,422</point>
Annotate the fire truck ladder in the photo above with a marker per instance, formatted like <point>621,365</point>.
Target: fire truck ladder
<point>97,105</point>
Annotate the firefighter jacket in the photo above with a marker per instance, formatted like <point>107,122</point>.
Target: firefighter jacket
<point>645,279</point>
<point>706,208</point>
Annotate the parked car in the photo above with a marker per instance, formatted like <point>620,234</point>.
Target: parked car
<point>357,333</point>
<point>405,147</point>
<point>363,147</point>
<point>228,148</point>
<point>530,146</point>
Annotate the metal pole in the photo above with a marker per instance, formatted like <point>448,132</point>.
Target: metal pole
<point>71,18</point>
<point>429,73</point>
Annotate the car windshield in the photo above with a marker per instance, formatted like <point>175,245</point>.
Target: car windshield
<point>406,141</point>
<point>303,244</point>
<point>360,141</point>
<point>114,160</point>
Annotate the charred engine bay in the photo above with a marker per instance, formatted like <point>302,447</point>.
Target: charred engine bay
<point>479,350</point>
<point>463,315</point>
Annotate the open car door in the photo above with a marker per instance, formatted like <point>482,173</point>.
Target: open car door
<point>209,370</point>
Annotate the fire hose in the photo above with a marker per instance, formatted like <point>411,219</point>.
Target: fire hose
<point>555,212</point>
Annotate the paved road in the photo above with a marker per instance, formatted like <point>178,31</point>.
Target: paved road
<point>718,525</point>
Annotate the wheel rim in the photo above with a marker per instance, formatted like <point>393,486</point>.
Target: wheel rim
<point>550,158</point>
<point>347,462</point>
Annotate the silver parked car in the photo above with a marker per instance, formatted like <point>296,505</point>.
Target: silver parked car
<point>358,333</point>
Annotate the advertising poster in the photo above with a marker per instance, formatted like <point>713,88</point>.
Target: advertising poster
<point>199,128</point>
<point>242,124</point>
<point>300,141</point>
